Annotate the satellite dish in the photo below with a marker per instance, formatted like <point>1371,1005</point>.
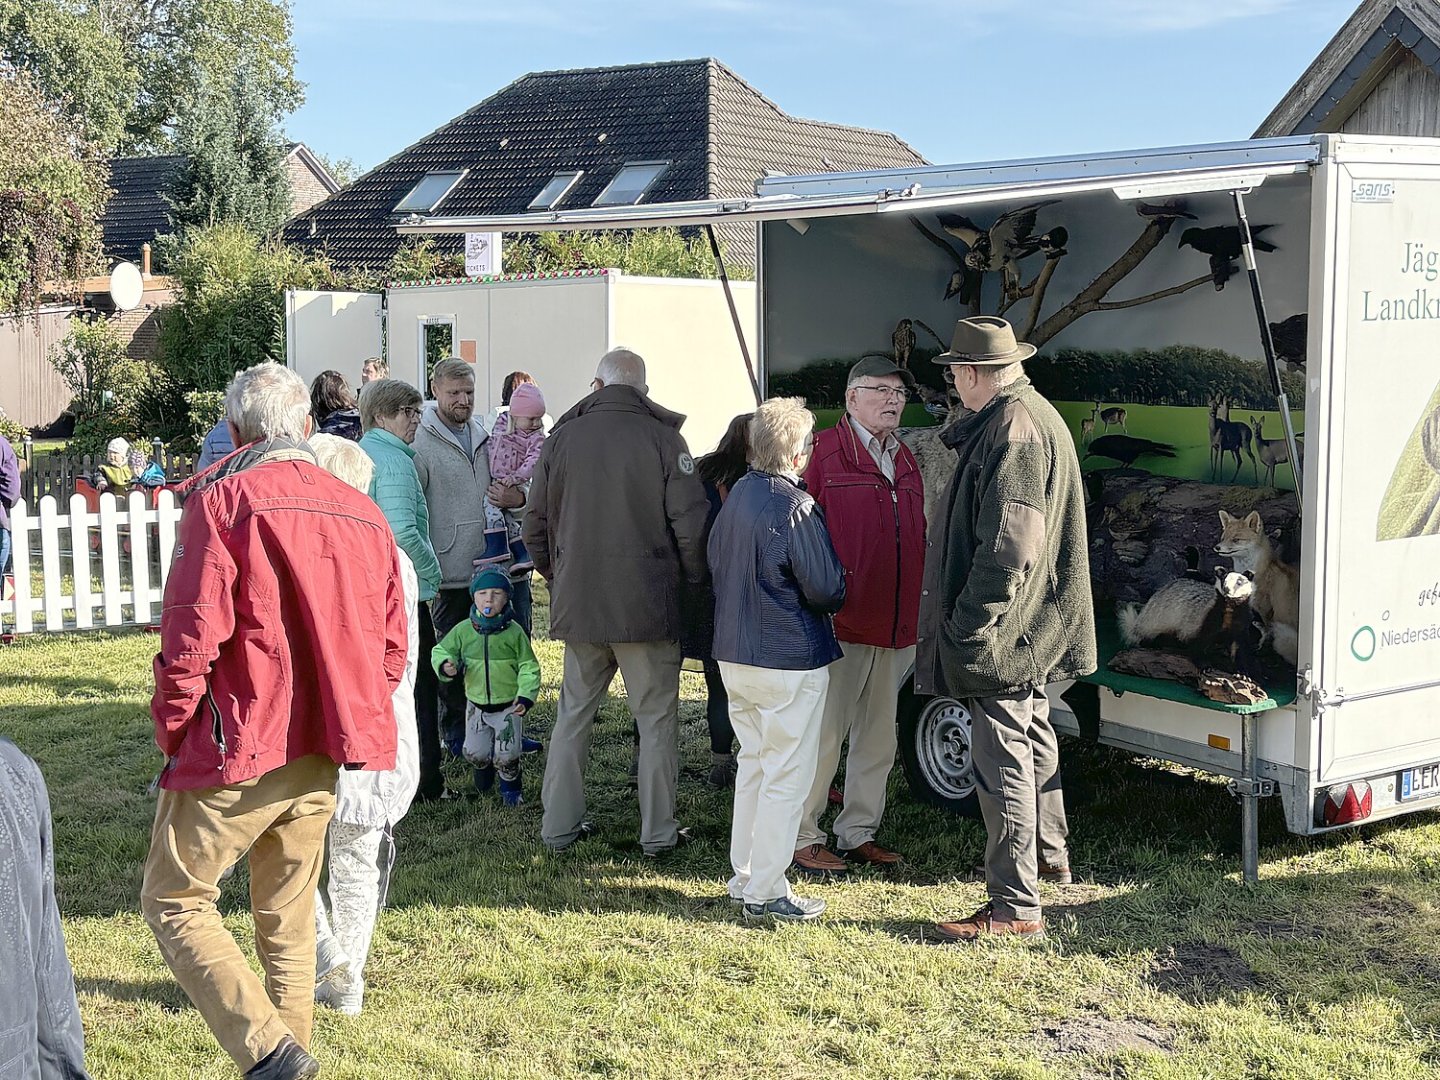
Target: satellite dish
<point>127,286</point>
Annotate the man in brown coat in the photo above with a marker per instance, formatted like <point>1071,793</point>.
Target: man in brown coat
<point>614,521</point>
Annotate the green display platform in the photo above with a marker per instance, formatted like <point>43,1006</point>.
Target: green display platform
<point>1107,638</point>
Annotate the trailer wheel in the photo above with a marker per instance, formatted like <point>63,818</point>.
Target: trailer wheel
<point>935,751</point>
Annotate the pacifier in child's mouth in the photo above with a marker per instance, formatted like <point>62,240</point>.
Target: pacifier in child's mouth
<point>487,611</point>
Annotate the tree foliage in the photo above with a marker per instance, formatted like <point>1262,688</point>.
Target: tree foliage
<point>644,252</point>
<point>74,63</point>
<point>111,389</point>
<point>128,68</point>
<point>229,314</point>
<point>52,190</point>
<point>234,160</point>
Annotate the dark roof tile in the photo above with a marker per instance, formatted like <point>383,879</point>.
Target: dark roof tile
<point>137,211</point>
<point>719,134</point>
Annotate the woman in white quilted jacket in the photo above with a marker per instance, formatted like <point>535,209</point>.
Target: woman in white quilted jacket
<point>367,804</point>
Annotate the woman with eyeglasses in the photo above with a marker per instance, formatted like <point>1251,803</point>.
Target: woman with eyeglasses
<point>389,418</point>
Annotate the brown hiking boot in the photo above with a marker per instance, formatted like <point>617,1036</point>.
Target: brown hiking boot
<point>873,854</point>
<point>1056,875</point>
<point>816,860</point>
<point>983,924</point>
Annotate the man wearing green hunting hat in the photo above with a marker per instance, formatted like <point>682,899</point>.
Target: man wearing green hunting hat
<point>1005,609</point>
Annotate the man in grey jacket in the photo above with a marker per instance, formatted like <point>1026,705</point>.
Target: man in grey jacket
<point>1005,609</point>
<point>454,469</point>
<point>616,517</point>
<point>39,1015</point>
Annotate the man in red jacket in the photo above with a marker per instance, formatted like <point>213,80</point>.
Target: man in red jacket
<point>869,486</point>
<point>283,636</point>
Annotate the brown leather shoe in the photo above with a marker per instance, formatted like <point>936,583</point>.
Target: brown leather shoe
<point>984,924</point>
<point>873,854</point>
<point>816,860</point>
<point>1056,875</point>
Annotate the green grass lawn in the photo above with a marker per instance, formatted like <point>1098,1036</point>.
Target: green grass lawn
<point>498,959</point>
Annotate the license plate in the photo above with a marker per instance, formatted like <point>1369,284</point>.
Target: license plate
<point>1421,782</point>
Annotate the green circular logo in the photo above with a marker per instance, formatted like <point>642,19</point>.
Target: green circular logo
<point>1362,645</point>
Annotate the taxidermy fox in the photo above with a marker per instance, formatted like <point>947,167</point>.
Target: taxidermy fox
<point>1203,616</point>
<point>1277,586</point>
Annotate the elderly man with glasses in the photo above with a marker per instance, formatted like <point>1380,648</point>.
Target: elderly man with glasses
<point>870,489</point>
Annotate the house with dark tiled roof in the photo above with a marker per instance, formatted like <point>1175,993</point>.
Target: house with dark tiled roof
<point>137,211</point>
<point>1379,75</point>
<point>684,129</point>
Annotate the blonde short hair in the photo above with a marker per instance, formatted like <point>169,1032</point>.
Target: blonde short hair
<point>268,401</point>
<point>778,432</point>
<point>451,368</point>
<point>381,399</point>
<point>344,460</point>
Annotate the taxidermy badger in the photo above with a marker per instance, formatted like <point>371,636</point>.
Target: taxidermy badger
<point>1204,617</point>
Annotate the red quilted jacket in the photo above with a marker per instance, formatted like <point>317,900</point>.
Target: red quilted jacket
<point>878,530</point>
<point>283,632</point>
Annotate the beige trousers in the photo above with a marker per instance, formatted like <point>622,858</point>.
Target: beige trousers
<point>861,704</point>
<point>776,716</point>
<point>651,670</point>
<point>280,819</point>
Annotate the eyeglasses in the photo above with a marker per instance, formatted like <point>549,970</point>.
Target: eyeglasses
<point>889,393</point>
<point>411,411</point>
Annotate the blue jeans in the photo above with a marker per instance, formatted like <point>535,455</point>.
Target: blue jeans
<point>4,549</point>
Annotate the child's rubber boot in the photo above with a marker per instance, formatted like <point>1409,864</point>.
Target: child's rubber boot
<point>530,746</point>
<point>521,556</point>
<point>497,550</point>
<point>510,791</point>
<point>484,778</point>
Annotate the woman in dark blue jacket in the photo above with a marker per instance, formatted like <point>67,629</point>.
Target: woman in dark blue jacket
<point>777,584</point>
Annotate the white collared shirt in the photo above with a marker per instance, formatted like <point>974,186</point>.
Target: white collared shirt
<point>883,453</point>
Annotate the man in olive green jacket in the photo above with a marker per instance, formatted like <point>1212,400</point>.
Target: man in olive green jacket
<point>615,519</point>
<point>1006,609</point>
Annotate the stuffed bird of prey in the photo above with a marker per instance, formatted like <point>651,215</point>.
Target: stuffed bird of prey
<point>1224,240</point>
<point>903,342</point>
<point>1289,339</point>
<point>1222,244</point>
<point>1005,243</point>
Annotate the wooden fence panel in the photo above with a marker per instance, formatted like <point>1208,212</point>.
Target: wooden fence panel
<point>135,542</point>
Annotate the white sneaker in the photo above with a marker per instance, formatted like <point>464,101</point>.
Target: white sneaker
<point>331,963</point>
<point>343,996</point>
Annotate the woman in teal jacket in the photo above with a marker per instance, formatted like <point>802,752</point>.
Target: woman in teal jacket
<point>390,416</point>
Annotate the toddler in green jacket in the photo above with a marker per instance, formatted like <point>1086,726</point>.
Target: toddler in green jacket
<point>502,678</point>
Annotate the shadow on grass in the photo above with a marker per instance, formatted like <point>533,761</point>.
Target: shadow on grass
<point>165,993</point>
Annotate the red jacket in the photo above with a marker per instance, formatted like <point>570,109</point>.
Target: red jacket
<point>878,530</point>
<point>283,632</point>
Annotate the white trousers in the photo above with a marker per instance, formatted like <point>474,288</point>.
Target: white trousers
<point>861,706</point>
<point>360,861</point>
<point>776,716</point>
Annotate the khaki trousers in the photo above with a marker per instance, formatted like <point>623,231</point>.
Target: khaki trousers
<point>776,716</point>
<point>651,670</point>
<point>280,819</point>
<point>1017,783</point>
<point>861,704</point>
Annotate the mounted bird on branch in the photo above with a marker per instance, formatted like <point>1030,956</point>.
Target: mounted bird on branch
<point>1011,238</point>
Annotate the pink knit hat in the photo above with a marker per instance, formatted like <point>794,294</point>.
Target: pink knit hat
<point>526,400</point>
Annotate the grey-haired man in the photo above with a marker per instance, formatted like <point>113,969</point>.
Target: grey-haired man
<point>1005,610</point>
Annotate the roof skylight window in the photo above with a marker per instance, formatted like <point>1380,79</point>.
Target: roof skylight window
<point>427,194</point>
<point>634,179</point>
<point>558,187</point>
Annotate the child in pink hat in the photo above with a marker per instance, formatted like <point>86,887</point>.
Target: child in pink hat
<point>514,447</point>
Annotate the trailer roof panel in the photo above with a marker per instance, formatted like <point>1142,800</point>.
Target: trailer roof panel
<point>1132,174</point>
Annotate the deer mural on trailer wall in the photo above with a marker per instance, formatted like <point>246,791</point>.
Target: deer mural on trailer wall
<point>1228,437</point>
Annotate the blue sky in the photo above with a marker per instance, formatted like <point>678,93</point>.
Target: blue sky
<point>960,80</point>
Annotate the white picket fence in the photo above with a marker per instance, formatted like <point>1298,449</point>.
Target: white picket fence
<point>129,542</point>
